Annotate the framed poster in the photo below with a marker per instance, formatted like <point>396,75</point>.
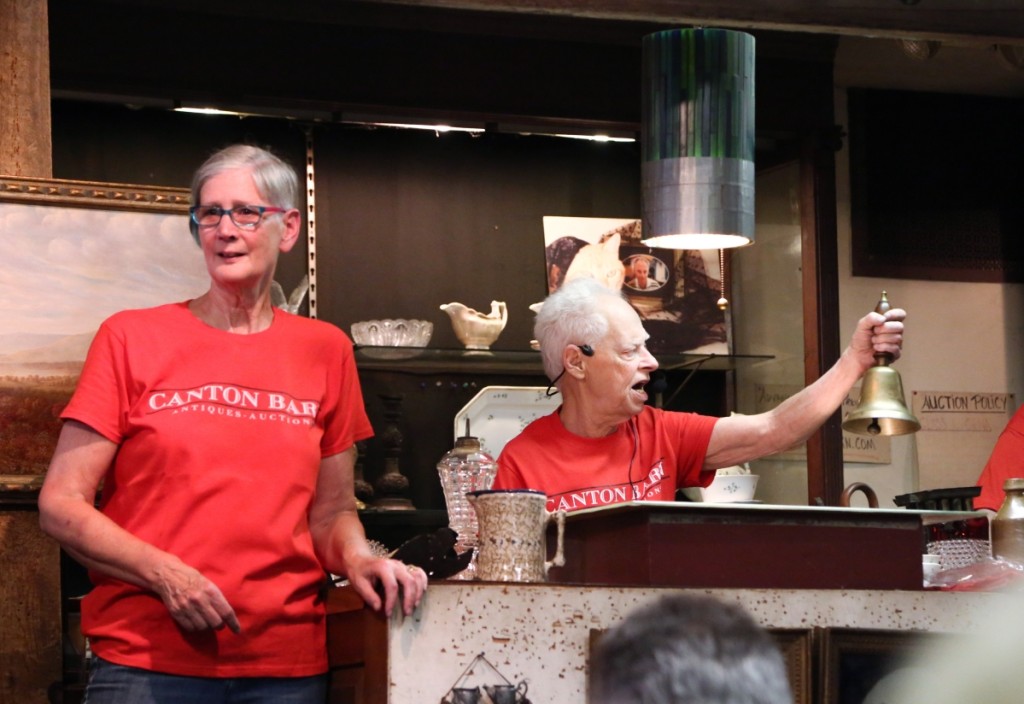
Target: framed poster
<point>75,252</point>
<point>675,293</point>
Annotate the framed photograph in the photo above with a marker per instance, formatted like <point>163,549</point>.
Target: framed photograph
<point>75,252</point>
<point>796,645</point>
<point>863,666</point>
<point>675,293</point>
<point>649,273</point>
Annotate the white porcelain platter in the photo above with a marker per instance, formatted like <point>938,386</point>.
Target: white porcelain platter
<point>499,413</point>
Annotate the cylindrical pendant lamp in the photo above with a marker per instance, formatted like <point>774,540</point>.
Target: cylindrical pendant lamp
<point>697,139</point>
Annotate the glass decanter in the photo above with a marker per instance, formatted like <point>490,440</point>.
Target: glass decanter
<point>463,469</point>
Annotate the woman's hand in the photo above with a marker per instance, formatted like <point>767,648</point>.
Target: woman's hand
<point>377,577</point>
<point>195,603</point>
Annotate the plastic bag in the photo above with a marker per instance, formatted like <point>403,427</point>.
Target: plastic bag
<point>987,574</point>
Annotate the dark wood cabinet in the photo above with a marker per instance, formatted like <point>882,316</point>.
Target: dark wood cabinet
<point>30,603</point>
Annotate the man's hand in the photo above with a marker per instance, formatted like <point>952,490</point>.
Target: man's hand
<point>878,333</point>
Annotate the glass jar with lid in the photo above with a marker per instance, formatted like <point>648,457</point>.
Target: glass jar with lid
<point>1008,524</point>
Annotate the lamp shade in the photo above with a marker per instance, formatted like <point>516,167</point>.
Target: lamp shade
<point>697,139</point>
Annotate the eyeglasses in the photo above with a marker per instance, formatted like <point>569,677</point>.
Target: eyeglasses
<point>244,216</point>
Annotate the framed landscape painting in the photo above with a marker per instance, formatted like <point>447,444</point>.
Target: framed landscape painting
<point>73,253</point>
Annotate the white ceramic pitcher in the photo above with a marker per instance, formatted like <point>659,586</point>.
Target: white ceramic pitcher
<point>513,535</point>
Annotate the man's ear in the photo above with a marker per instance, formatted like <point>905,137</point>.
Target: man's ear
<point>572,361</point>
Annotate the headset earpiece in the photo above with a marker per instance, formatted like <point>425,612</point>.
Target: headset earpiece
<point>587,350</point>
<point>193,228</point>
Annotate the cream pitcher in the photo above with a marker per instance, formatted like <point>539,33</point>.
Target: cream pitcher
<point>513,535</point>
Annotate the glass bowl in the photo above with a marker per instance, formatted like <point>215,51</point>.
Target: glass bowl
<point>397,333</point>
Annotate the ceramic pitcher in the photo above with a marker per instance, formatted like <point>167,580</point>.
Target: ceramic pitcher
<point>513,535</point>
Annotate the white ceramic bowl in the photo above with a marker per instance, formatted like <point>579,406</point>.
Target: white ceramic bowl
<point>725,488</point>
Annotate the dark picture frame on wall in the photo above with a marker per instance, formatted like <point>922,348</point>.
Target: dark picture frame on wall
<point>76,252</point>
<point>936,185</point>
<point>797,648</point>
<point>856,666</point>
<point>650,273</point>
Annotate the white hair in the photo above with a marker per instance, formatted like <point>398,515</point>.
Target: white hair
<point>572,315</point>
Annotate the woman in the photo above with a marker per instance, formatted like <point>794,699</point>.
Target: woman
<point>222,431</point>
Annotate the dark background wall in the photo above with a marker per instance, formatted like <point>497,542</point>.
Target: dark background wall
<point>405,221</point>
<point>413,220</point>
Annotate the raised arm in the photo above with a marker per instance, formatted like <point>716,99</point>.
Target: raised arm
<point>739,439</point>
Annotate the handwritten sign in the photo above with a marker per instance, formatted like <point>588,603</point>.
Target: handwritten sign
<point>958,431</point>
<point>870,449</point>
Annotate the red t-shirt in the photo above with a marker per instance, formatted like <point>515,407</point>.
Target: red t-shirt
<point>645,459</point>
<point>1006,461</point>
<point>221,438</point>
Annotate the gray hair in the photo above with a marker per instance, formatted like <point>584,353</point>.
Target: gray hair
<point>572,315</point>
<point>688,648</point>
<point>275,179</point>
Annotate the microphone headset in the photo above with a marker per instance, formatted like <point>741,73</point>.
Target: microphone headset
<point>587,351</point>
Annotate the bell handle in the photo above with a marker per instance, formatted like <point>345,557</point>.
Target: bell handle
<point>883,359</point>
<point>559,559</point>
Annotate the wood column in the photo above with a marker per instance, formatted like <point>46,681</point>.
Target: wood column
<point>25,142</point>
<point>30,597</point>
<point>30,609</point>
<point>821,308</point>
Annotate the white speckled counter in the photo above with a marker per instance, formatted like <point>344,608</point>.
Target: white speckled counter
<point>541,632</point>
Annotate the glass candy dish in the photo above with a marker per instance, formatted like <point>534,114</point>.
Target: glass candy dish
<point>392,338</point>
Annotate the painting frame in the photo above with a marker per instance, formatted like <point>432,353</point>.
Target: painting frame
<point>842,651</point>
<point>108,203</point>
<point>797,648</point>
<point>93,194</point>
<point>795,644</point>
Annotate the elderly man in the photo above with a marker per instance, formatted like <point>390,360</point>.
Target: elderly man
<point>604,445</point>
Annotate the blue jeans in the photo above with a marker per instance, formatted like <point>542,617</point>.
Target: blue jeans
<point>117,684</point>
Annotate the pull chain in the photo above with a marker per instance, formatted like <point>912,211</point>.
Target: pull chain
<point>723,302</point>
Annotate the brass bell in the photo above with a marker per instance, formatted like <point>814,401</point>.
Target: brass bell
<point>881,410</point>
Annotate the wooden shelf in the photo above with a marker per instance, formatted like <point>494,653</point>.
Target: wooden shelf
<point>429,360</point>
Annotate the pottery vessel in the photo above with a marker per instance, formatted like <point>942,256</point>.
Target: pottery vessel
<point>476,330</point>
<point>513,535</point>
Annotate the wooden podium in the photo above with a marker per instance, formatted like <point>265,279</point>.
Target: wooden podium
<point>748,546</point>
